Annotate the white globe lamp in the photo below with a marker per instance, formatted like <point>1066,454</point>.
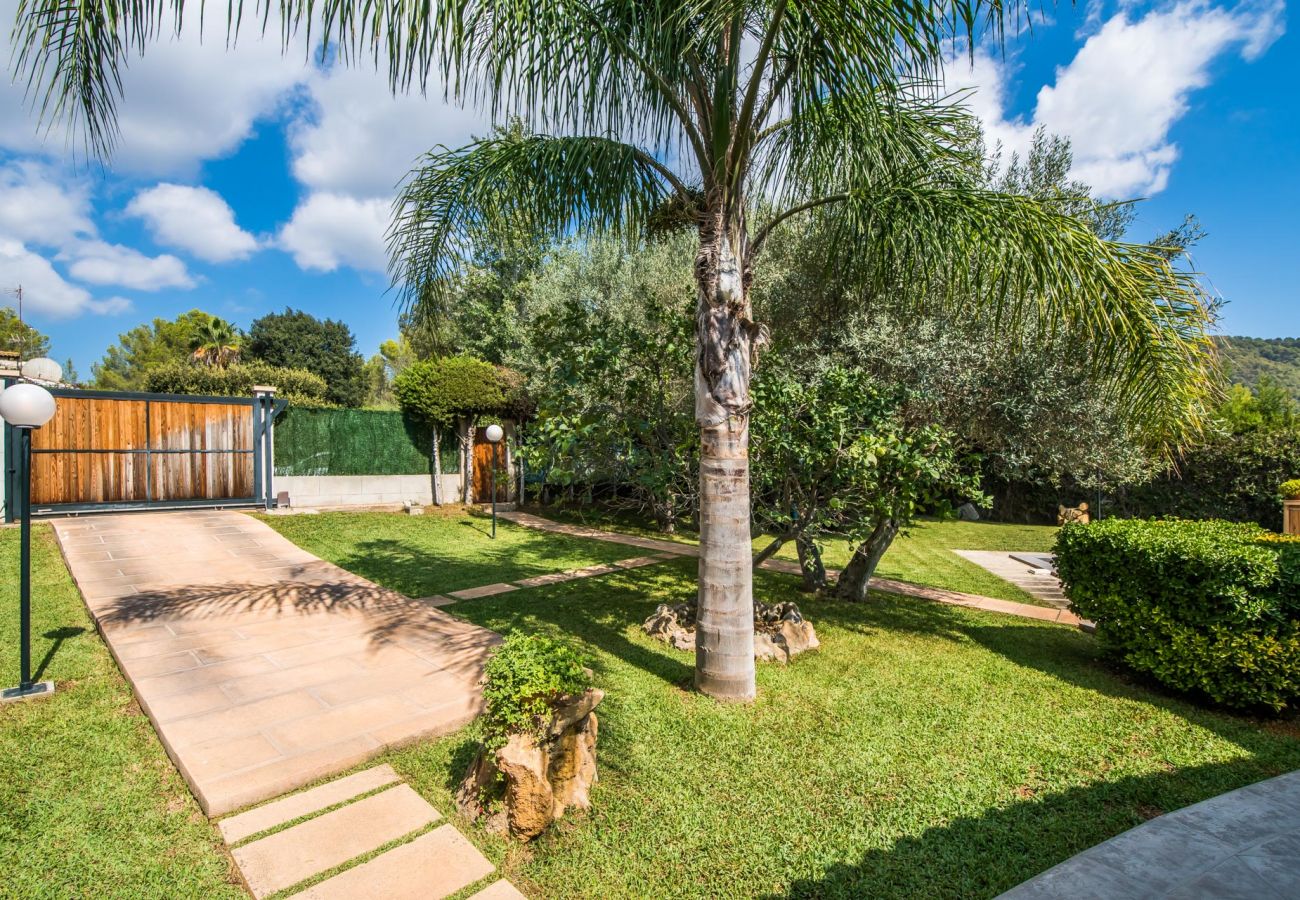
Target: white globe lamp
<point>26,405</point>
<point>495,433</point>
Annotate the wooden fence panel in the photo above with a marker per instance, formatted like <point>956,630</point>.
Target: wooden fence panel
<point>101,449</point>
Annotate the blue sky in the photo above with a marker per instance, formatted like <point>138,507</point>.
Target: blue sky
<point>247,181</point>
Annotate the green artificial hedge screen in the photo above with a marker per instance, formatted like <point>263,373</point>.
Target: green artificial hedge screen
<point>358,442</point>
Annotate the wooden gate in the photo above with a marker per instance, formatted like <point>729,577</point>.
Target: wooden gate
<point>483,456</point>
<point>109,450</point>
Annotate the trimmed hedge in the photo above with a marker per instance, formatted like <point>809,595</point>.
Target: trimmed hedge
<point>358,442</point>
<point>1207,607</point>
<point>298,386</point>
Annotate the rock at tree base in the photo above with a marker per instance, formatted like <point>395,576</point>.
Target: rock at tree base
<point>532,780</point>
<point>780,630</point>
<point>968,512</point>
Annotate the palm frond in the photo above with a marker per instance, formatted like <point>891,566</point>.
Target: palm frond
<point>1022,260</point>
<point>547,185</point>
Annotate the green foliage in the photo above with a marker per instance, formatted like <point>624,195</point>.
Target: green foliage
<point>326,347</point>
<point>1290,490</point>
<point>1210,607</point>
<point>216,342</point>
<point>1249,360</point>
<point>18,335</point>
<point>832,454</point>
<point>357,442</point>
<point>298,386</point>
<point>522,681</point>
<point>1234,472</point>
<point>609,364</point>
<point>441,391</point>
<point>126,364</point>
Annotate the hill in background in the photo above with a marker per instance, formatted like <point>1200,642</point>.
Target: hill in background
<point>1247,359</point>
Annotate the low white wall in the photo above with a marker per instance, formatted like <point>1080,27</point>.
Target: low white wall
<point>363,490</point>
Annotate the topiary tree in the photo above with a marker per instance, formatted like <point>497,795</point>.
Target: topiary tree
<point>455,391</point>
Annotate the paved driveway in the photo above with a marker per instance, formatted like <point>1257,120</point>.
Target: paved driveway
<point>261,666</point>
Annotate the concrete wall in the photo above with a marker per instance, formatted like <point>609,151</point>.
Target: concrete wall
<point>363,490</point>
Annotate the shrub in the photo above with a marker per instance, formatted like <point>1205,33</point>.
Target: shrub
<point>521,681</point>
<point>1290,490</point>
<point>1203,606</point>
<point>298,386</point>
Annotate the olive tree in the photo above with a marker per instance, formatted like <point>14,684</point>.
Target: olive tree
<point>739,113</point>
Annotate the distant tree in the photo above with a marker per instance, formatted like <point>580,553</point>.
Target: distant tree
<point>70,374</point>
<point>393,358</point>
<point>297,339</point>
<point>1250,359</point>
<point>455,390</point>
<point>126,364</point>
<point>216,342</point>
<point>18,335</point>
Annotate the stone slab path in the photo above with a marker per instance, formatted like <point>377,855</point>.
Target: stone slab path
<point>1242,844</point>
<point>262,667</point>
<point>364,836</point>
<point>1035,581</point>
<point>888,585</point>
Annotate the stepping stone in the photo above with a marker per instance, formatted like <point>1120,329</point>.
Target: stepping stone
<point>432,866</point>
<point>638,561</point>
<point>287,857</point>
<point>499,890</point>
<point>263,818</point>
<point>486,590</point>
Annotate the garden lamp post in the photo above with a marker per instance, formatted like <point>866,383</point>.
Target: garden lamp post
<point>494,435</point>
<point>25,407</point>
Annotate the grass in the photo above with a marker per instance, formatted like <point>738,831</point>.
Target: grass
<point>924,751</point>
<point>923,555</point>
<point>440,551</point>
<point>89,802</point>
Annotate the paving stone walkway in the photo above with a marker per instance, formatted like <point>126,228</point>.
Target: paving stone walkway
<point>1026,571</point>
<point>367,835</point>
<point>888,585</point>
<point>262,667</point>
<point>1242,844</point>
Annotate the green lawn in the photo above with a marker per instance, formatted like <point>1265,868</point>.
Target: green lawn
<point>89,803</point>
<point>440,551</point>
<point>924,751</point>
<point>922,556</point>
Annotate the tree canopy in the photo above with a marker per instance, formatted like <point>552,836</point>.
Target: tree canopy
<point>127,363</point>
<point>442,391</point>
<point>298,340</point>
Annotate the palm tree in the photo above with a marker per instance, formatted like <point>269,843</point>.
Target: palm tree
<point>738,114</point>
<point>216,342</point>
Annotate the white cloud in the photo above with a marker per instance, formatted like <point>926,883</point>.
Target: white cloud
<point>35,208</point>
<point>356,137</point>
<point>44,290</point>
<point>196,219</point>
<point>112,306</point>
<point>331,230</point>
<point>1120,96</point>
<point>185,100</point>
<point>98,262</point>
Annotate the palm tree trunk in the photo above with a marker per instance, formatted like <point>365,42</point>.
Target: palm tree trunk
<point>725,339</point>
<point>856,577</point>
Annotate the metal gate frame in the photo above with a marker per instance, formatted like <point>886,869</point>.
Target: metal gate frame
<point>266,407</point>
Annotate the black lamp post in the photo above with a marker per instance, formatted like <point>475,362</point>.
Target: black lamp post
<point>25,407</point>
<point>494,435</point>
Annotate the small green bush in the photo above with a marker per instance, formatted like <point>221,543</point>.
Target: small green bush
<point>521,681</point>
<point>1203,606</point>
<point>1290,490</point>
<point>298,386</point>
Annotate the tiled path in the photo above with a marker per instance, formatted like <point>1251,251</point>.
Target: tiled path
<point>262,667</point>
<point>1033,580</point>
<point>1243,844</point>
<point>888,585</point>
<point>325,843</point>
